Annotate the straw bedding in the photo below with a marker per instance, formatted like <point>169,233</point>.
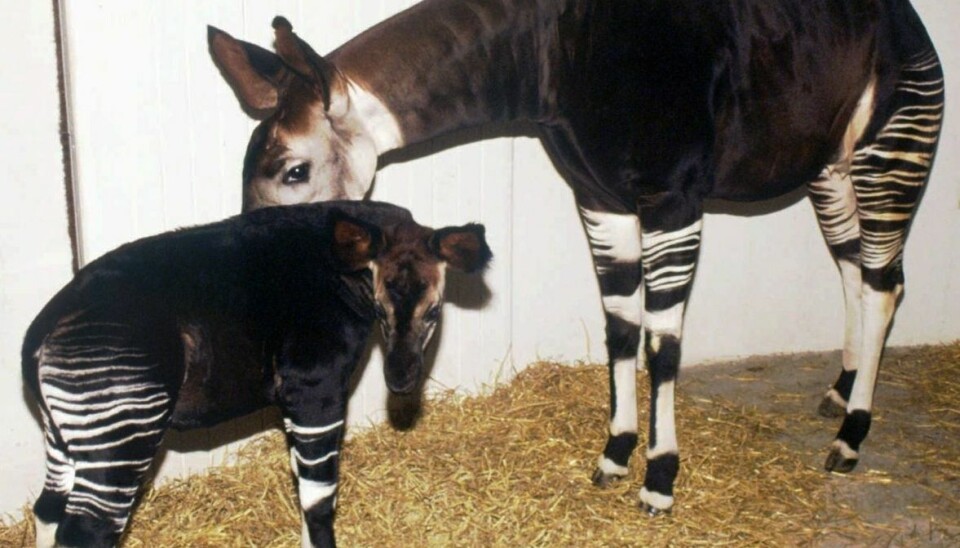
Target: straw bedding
<point>511,468</point>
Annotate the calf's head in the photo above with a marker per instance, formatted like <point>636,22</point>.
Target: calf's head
<point>409,264</point>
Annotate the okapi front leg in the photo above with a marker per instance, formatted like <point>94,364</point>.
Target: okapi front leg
<point>615,243</point>
<point>315,459</point>
<point>669,261</point>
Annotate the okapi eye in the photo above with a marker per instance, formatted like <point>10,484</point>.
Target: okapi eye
<point>297,174</point>
<point>433,314</point>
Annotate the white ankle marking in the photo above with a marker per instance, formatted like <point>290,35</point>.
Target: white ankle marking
<point>611,468</point>
<point>46,533</point>
<point>836,398</point>
<point>656,500</point>
<point>845,450</point>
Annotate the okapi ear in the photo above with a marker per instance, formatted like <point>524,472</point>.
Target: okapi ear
<point>254,73</point>
<point>355,243</point>
<point>462,247</point>
<point>308,63</point>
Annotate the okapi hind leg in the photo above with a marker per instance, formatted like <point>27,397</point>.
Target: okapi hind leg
<point>105,407</point>
<point>835,205</point>
<point>49,507</point>
<point>670,251</point>
<point>614,239</point>
<point>889,174</point>
<point>109,474</point>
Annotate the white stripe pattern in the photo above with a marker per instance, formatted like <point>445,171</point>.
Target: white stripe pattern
<point>669,258</point>
<point>889,173</point>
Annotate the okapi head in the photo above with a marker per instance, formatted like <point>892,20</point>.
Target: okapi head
<point>409,263</point>
<point>311,145</point>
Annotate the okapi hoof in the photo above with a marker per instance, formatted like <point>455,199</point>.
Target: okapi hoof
<point>655,504</point>
<point>838,462</point>
<point>653,511</point>
<point>603,479</point>
<point>831,408</point>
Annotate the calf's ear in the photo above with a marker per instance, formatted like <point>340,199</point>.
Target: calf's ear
<point>354,242</point>
<point>462,247</point>
<point>254,73</point>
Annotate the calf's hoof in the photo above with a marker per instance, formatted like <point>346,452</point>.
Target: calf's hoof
<point>655,504</point>
<point>653,511</point>
<point>831,408</point>
<point>841,460</point>
<point>604,479</point>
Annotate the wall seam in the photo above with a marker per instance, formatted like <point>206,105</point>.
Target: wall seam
<point>66,139</point>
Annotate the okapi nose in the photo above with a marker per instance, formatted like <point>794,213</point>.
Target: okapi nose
<point>402,370</point>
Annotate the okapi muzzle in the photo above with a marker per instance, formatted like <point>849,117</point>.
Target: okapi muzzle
<point>408,289</point>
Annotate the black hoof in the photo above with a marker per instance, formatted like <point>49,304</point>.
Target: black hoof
<point>602,479</point>
<point>836,462</point>
<point>653,511</point>
<point>830,409</point>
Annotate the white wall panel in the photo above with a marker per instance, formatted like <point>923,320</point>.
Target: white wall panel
<point>159,144</point>
<point>35,256</point>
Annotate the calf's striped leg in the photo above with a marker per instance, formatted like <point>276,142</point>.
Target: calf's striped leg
<point>614,239</point>
<point>669,262</point>
<point>105,413</point>
<point>315,459</point>
<point>888,174</point>
<point>50,505</point>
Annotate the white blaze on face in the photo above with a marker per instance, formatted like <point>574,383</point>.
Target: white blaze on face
<point>336,155</point>
<point>388,323</point>
<point>339,147</point>
<point>433,297</point>
<point>338,169</point>
<point>422,325</point>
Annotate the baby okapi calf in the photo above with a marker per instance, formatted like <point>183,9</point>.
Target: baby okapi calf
<point>196,326</point>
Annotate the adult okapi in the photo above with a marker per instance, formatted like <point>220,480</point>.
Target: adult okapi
<point>647,107</point>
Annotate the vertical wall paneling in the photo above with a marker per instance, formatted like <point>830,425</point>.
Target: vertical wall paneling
<point>35,249</point>
<point>160,140</point>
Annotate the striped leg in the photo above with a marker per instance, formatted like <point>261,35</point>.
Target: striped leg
<point>836,207</point>
<point>888,177</point>
<point>106,416</point>
<point>669,261</point>
<point>315,458</point>
<point>50,505</point>
<point>615,244</point>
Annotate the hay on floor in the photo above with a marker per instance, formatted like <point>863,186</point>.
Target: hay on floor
<point>512,467</point>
